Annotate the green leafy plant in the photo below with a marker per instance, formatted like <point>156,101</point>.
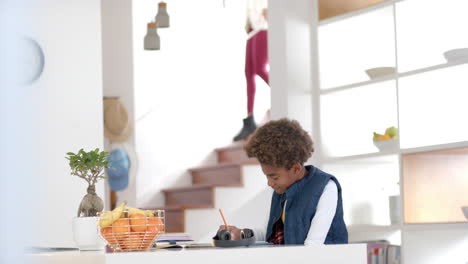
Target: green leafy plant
<point>90,167</point>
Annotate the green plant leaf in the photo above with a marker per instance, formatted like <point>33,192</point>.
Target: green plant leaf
<point>88,164</point>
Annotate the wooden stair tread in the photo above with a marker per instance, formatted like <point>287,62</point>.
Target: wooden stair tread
<point>234,153</point>
<point>200,195</point>
<point>233,146</point>
<point>216,166</point>
<point>198,187</point>
<point>190,197</point>
<point>225,165</point>
<point>195,196</point>
<point>174,218</point>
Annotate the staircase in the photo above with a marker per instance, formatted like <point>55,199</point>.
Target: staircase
<point>206,180</point>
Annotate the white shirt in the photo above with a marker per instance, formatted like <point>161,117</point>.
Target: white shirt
<point>255,15</point>
<point>320,224</point>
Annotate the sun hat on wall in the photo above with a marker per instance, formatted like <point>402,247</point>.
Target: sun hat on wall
<point>116,121</point>
<point>118,171</point>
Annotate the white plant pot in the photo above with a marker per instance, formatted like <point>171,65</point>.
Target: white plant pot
<point>86,234</point>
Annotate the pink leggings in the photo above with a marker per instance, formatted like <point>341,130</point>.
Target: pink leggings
<point>256,60</point>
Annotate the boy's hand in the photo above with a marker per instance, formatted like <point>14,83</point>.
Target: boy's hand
<point>235,232</point>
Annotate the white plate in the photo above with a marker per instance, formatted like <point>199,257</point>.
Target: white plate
<point>456,54</point>
<point>380,72</point>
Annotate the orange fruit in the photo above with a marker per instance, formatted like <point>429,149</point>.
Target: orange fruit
<point>155,225</point>
<point>121,228</point>
<point>147,241</point>
<point>132,242</point>
<point>108,235</point>
<point>138,222</point>
<point>384,137</point>
<point>123,244</point>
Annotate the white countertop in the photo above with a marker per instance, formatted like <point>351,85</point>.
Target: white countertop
<point>67,257</point>
<point>329,254</point>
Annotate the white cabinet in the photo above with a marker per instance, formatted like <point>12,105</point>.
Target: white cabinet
<point>426,98</point>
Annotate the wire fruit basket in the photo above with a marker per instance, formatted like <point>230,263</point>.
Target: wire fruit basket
<point>135,232</point>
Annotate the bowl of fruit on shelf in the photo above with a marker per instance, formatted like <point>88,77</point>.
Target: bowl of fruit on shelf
<point>131,229</point>
<point>388,141</point>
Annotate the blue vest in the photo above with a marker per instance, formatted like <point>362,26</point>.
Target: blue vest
<point>302,199</point>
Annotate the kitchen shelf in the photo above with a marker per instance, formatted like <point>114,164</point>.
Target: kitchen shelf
<point>435,226</point>
<point>453,145</point>
<point>432,68</point>
<point>359,156</point>
<point>450,146</point>
<point>373,228</point>
<point>393,77</point>
<point>358,12</point>
<point>359,84</point>
<point>424,98</point>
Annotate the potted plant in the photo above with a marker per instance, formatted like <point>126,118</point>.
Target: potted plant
<point>90,167</point>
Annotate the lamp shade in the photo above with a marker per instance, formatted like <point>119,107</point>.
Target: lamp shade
<point>162,17</point>
<point>152,40</point>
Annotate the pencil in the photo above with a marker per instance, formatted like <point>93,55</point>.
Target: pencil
<point>224,219</point>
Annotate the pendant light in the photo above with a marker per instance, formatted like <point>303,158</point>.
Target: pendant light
<point>162,18</point>
<point>152,41</point>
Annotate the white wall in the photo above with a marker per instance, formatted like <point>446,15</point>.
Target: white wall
<point>18,151</point>
<point>190,97</point>
<point>69,111</point>
<point>117,74</point>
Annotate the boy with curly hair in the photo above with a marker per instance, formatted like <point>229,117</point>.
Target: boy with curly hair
<point>306,206</point>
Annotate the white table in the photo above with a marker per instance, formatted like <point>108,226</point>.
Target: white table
<point>330,254</point>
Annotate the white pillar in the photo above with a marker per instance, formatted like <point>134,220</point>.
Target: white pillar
<point>117,60</point>
<point>293,56</point>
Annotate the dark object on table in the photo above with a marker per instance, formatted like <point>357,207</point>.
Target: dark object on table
<point>247,239</point>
